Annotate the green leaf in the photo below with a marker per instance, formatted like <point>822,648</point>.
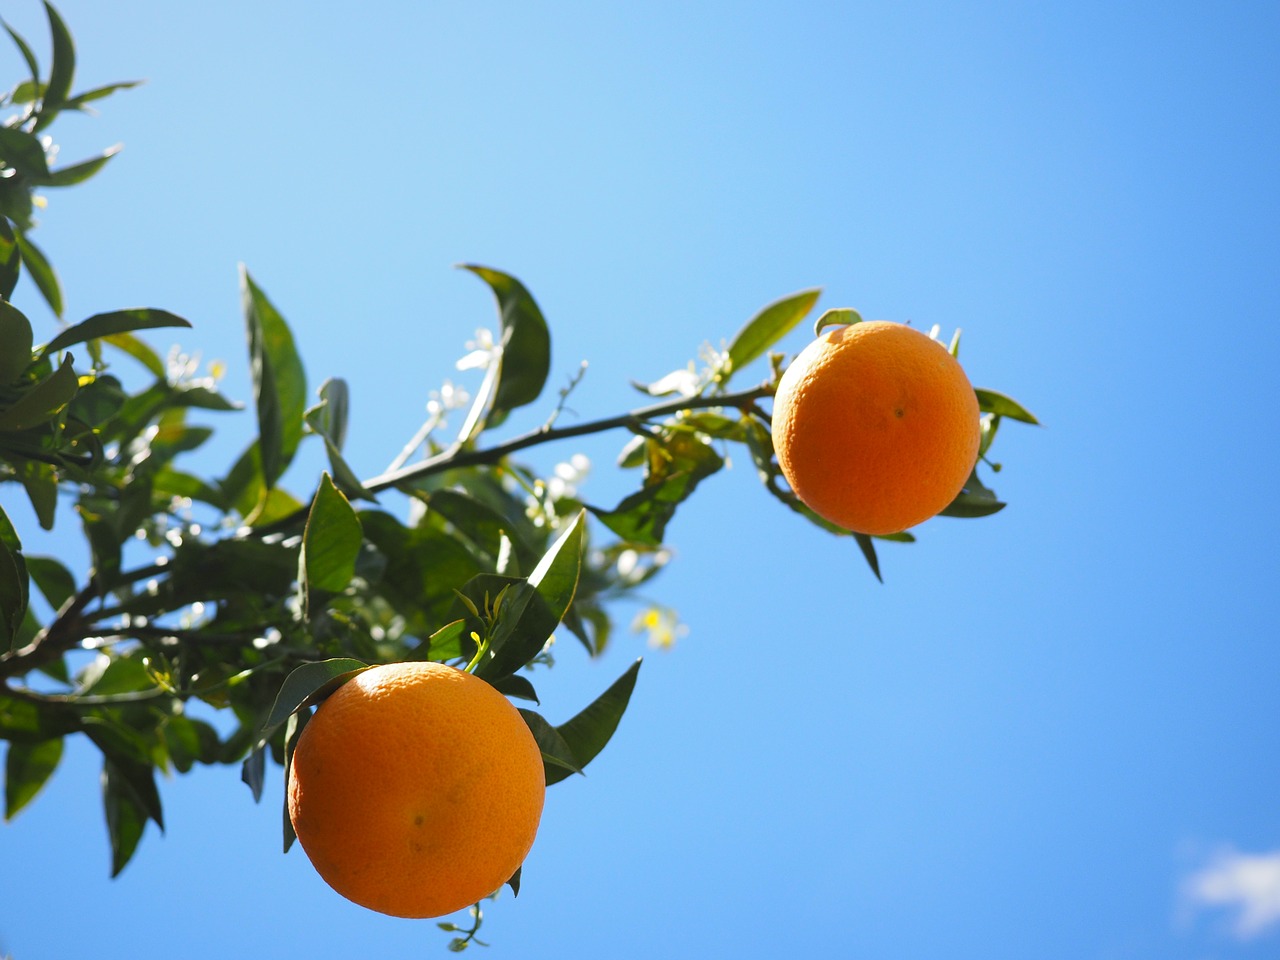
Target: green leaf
<point>43,401</point>
<point>868,548</point>
<point>80,100</point>
<point>253,772</point>
<point>27,768</point>
<point>41,273</point>
<point>989,401</point>
<point>517,686</point>
<point>328,420</point>
<point>10,268</point>
<point>26,52</point>
<point>292,731</point>
<point>588,732</point>
<point>24,152</point>
<point>15,342</point>
<point>306,686</point>
<point>14,583</point>
<point>769,326</point>
<point>836,317</point>
<point>557,756</point>
<point>41,484</point>
<point>482,526</point>
<point>521,370</point>
<point>61,73</point>
<point>970,505</point>
<point>139,350</point>
<point>445,644</point>
<point>79,172</point>
<point>553,581</point>
<point>53,580</point>
<point>110,324</point>
<point>331,541</point>
<point>279,382</point>
<point>126,815</point>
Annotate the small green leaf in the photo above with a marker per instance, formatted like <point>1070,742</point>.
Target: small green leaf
<point>836,317</point>
<point>331,541</point>
<point>27,55</point>
<point>868,548</point>
<point>43,401</point>
<point>989,401</point>
<point>27,768</point>
<point>41,273</point>
<point>53,580</point>
<point>80,100</point>
<point>307,685</point>
<point>110,324</point>
<point>769,326</point>
<point>292,731</point>
<point>14,583</point>
<point>588,732</point>
<point>525,359</point>
<point>253,772</point>
<point>140,351</point>
<point>79,172</point>
<point>517,686</point>
<point>126,818</point>
<point>61,73</point>
<point>970,505</point>
<point>279,382</point>
<point>15,342</point>
<point>10,268</point>
<point>328,420</point>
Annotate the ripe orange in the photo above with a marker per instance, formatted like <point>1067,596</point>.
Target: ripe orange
<point>416,789</point>
<point>876,426</point>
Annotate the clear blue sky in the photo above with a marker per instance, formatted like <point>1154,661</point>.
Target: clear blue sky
<point>1041,730</point>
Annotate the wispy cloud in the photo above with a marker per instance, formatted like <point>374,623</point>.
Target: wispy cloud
<point>1247,884</point>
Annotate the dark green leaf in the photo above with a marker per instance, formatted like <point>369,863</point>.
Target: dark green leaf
<point>10,268</point>
<point>526,346</point>
<point>253,772</point>
<point>482,526</point>
<point>991,402</point>
<point>970,505</point>
<point>557,756</point>
<point>126,816</point>
<point>307,685</point>
<point>53,579</point>
<point>27,768</point>
<point>115,322</point>
<point>331,541</point>
<point>24,152</point>
<point>517,686</point>
<point>79,172</point>
<point>868,548</point>
<point>41,484</point>
<point>61,73</point>
<point>588,732</point>
<point>292,731</point>
<point>514,881</point>
<point>279,382</point>
<point>43,401</point>
<point>769,326</point>
<point>328,419</point>
<point>14,583</point>
<point>41,272</point>
<point>15,342</point>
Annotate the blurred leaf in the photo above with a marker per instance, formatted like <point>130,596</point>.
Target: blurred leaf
<point>279,383</point>
<point>836,317</point>
<point>588,732</point>
<point>991,402</point>
<point>76,173</point>
<point>27,768</point>
<point>43,401</point>
<point>15,342</point>
<point>14,583</point>
<point>525,342</point>
<point>331,541</point>
<point>80,100</point>
<point>41,273</point>
<point>10,268</point>
<point>307,685</point>
<point>139,350</point>
<point>557,756</point>
<point>769,326</point>
<point>126,815</point>
<point>41,484</point>
<point>974,501</point>
<point>110,324</point>
<point>26,52</point>
<point>253,772</point>
<point>61,73</point>
<point>24,152</point>
<point>53,580</point>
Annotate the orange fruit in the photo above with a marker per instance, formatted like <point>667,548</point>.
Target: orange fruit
<point>416,789</point>
<point>876,426</point>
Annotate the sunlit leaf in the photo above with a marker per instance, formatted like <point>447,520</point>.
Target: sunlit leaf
<point>40,271</point>
<point>24,152</point>
<point>42,401</point>
<point>61,73</point>
<point>115,322</point>
<point>769,326</point>
<point>76,173</point>
<point>279,383</point>
<point>989,401</point>
<point>331,540</point>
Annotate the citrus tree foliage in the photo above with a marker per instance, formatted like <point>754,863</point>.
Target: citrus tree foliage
<point>212,588</point>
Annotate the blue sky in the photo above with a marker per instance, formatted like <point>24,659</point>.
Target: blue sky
<point>1049,734</point>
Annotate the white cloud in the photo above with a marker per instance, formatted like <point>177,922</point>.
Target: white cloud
<point>1248,884</point>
